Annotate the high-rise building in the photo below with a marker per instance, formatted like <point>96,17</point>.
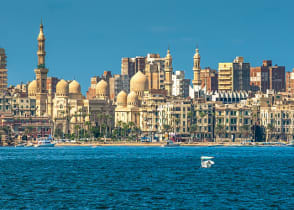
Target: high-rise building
<point>41,75</point>
<point>290,82</point>
<point>234,76</point>
<point>267,77</point>
<point>130,66</point>
<point>3,71</point>
<point>157,64</point>
<point>209,79</point>
<point>180,85</point>
<point>117,83</point>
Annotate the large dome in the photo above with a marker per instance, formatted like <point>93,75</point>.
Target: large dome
<point>139,83</point>
<point>32,88</point>
<point>62,88</point>
<point>132,99</point>
<point>74,87</point>
<point>121,99</point>
<point>102,89</point>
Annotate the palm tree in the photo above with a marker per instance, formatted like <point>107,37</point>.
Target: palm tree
<point>245,130</point>
<point>270,129</point>
<point>125,128</point>
<point>219,130</point>
<point>77,131</point>
<point>193,129</point>
<point>202,115</point>
<point>131,126</point>
<point>166,129</point>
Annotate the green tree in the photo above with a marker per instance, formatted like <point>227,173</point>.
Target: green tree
<point>193,129</point>
<point>220,129</point>
<point>270,131</point>
<point>245,130</point>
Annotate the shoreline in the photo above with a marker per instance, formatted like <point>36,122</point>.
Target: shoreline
<point>160,144</point>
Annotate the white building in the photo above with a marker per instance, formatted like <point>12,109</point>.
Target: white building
<point>180,84</point>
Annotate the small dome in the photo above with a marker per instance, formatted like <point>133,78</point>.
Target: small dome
<point>87,119</point>
<point>132,99</point>
<point>139,83</point>
<point>62,88</point>
<point>102,88</point>
<point>32,88</point>
<point>74,87</point>
<point>73,120</point>
<point>121,99</point>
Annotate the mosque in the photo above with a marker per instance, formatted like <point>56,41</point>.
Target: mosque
<point>67,107</point>
<point>70,110</point>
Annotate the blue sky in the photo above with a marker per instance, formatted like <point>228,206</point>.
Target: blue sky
<point>84,38</point>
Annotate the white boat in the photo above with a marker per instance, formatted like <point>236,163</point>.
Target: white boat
<point>170,143</point>
<point>206,158</point>
<point>46,142</point>
<point>206,161</point>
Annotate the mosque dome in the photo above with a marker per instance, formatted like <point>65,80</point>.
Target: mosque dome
<point>121,99</point>
<point>139,83</point>
<point>62,88</point>
<point>87,119</point>
<point>101,88</point>
<point>74,87</point>
<point>132,99</point>
<point>32,88</point>
<point>73,120</point>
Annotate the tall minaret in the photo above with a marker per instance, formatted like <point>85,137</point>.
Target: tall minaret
<point>41,75</point>
<point>196,70</point>
<point>168,70</point>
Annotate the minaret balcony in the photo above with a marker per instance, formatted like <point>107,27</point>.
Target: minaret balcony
<point>41,66</point>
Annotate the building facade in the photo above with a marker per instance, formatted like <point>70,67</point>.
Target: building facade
<point>180,85</point>
<point>234,76</point>
<point>3,71</point>
<point>267,77</point>
<point>209,79</point>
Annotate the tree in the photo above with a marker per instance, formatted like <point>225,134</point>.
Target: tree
<point>167,129</point>
<point>245,129</point>
<point>219,130</point>
<point>193,129</point>
<point>58,133</point>
<point>270,129</point>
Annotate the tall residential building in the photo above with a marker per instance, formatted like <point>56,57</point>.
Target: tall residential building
<point>117,83</point>
<point>3,71</point>
<point>41,75</point>
<point>155,62</point>
<point>51,89</point>
<point>234,76</point>
<point>180,85</point>
<point>91,93</point>
<point>268,76</point>
<point>209,79</point>
<point>290,82</point>
<point>130,66</point>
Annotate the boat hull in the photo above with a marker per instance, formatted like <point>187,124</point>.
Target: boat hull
<point>170,145</point>
<point>45,145</point>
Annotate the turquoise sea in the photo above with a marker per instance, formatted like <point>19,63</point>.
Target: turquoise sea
<point>146,178</point>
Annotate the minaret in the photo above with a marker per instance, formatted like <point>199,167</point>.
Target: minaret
<point>41,75</point>
<point>168,70</point>
<point>196,71</point>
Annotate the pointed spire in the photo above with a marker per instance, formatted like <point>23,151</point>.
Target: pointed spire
<point>168,55</point>
<point>41,33</point>
<point>197,54</point>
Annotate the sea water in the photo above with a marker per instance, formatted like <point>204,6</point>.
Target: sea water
<point>146,178</point>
